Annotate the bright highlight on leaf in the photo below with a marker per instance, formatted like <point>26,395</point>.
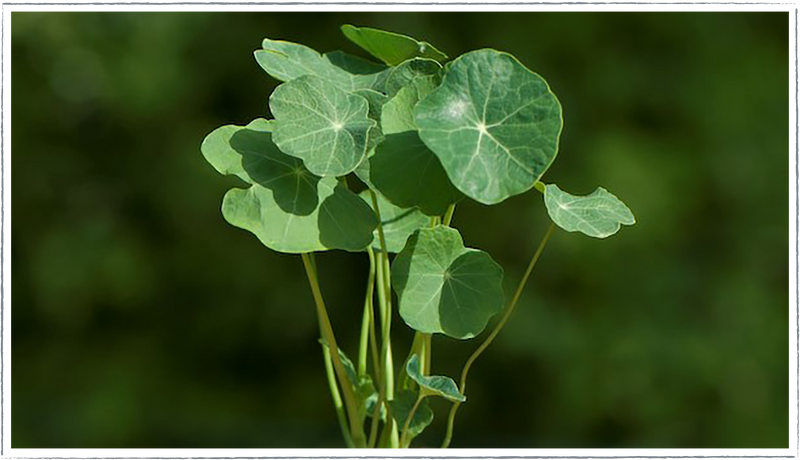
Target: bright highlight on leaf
<point>598,215</point>
<point>390,47</point>
<point>286,61</point>
<point>321,124</point>
<point>434,384</point>
<point>444,287</point>
<point>286,207</point>
<point>493,123</point>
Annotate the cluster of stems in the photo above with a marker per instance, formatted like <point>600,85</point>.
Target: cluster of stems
<point>387,433</point>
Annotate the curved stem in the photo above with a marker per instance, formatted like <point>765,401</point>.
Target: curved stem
<point>356,428</point>
<point>498,327</point>
<point>337,398</point>
<point>410,417</point>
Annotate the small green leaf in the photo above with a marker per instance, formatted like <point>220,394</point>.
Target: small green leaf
<point>321,124</point>
<point>390,47</point>
<point>402,404</point>
<point>286,61</point>
<point>443,286</point>
<point>287,208</point>
<point>434,384</point>
<point>362,385</point>
<point>598,215</point>
<point>493,123</point>
<point>408,174</point>
<point>425,74</point>
<point>398,223</point>
<point>375,101</point>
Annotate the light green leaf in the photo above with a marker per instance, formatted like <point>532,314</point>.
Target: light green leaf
<point>434,384</point>
<point>321,124</point>
<point>375,101</point>
<point>408,174</point>
<point>390,47</point>
<point>402,404</point>
<point>287,208</point>
<point>598,215</point>
<point>398,223</point>
<point>425,74</point>
<point>443,286</point>
<point>493,123</point>
<point>286,61</point>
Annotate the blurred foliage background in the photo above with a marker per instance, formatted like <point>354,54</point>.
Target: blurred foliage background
<point>141,319</point>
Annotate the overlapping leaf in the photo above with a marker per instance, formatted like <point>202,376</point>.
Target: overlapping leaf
<point>398,223</point>
<point>434,384</point>
<point>598,214</point>
<point>390,47</point>
<point>321,124</point>
<point>286,61</point>
<point>493,123</point>
<point>286,207</point>
<point>401,406</point>
<point>444,287</point>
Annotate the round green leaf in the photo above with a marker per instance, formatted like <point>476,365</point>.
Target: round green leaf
<point>286,61</point>
<point>398,223</point>
<point>408,174</point>
<point>493,123</point>
<point>321,124</point>
<point>444,287</point>
<point>287,208</point>
<point>434,384</point>
<point>598,215</point>
<point>390,47</point>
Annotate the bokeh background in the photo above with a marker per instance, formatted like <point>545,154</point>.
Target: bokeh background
<point>141,319</point>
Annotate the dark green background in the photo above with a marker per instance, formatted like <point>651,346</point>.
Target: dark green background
<point>141,319</point>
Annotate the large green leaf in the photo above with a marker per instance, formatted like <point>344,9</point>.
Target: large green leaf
<point>405,171</point>
<point>398,223</point>
<point>598,215</point>
<point>286,61</point>
<point>321,124</point>
<point>493,123</point>
<point>434,384</point>
<point>390,47</point>
<point>443,286</point>
<point>401,406</point>
<point>287,208</point>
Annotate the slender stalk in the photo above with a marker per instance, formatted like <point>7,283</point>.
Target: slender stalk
<point>373,336</point>
<point>426,369</point>
<point>498,327</point>
<point>365,320</point>
<point>410,417</point>
<point>356,428</point>
<point>448,216</point>
<point>337,398</point>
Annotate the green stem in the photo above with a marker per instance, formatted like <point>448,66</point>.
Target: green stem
<point>337,398</point>
<point>410,417</point>
<point>448,216</point>
<point>426,368</point>
<point>356,428</point>
<point>365,320</point>
<point>539,186</point>
<point>498,327</point>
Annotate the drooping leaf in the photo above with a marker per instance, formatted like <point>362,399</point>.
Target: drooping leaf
<point>598,214</point>
<point>408,174</point>
<point>390,47</point>
<point>362,385</point>
<point>398,223</point>
<point>375,101</point>
<point>401,406</point>
<point>493,123</point>
<point>434,384</point>
<point>287,208</point>
<point>444,287</point>
<point>321,124</point>
<point>286,61</point>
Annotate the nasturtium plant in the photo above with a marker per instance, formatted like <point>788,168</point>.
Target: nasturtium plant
<point>373,158</point>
